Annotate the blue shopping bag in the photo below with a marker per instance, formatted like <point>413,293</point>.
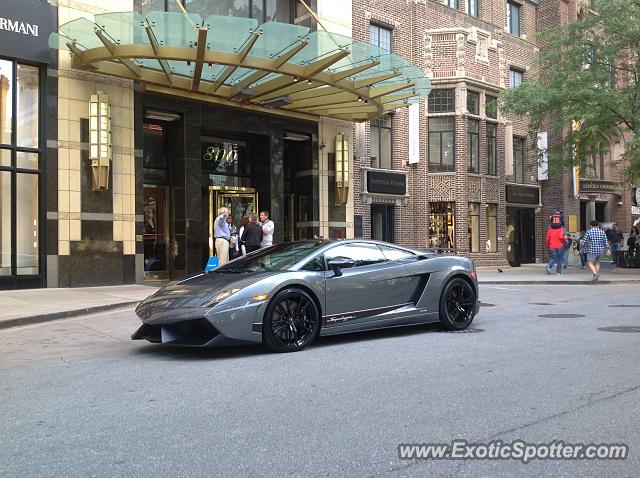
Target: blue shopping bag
<point>212,264</point>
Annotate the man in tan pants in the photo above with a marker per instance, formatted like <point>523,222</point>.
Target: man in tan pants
<point>222,236</point>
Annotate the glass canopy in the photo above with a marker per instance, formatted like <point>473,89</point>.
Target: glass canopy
<point>233,61</point>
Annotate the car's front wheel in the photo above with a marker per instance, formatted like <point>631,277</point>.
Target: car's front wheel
<point>291,322</point>
<point>457,304</point>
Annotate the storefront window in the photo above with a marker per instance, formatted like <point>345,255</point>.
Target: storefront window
<point>492,228</point>
<point>474,227</point>
<point>27,106</point>
<point>442,220</point>
<point>473,146</point>
<point>19,187</point>
<point>5,223</point>
<point>6,101</point>
<point>381,149</point>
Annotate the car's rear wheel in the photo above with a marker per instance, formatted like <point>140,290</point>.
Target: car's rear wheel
<point>291,322</point>
<point>457,304</point>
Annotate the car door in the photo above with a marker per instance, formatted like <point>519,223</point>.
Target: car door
<point>374,286</point>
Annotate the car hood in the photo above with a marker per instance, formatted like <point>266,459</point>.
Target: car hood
<point>198,290</point>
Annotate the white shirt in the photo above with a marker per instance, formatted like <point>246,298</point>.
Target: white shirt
<point>267,239</point>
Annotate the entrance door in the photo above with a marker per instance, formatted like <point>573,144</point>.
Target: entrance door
<point>521,240</point>
<point>157,254</point>
<point>241,203</point>
<point>382,222</point>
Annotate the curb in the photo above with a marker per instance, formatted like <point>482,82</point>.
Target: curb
<point>65,314</point>
<point>562,282</point>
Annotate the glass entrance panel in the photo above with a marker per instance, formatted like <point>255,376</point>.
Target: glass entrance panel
<point>156,233</point>
<point>240,203</point>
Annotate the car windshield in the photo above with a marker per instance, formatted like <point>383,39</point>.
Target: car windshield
<point>275,258</point>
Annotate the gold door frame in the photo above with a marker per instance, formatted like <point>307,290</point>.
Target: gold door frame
<point>220,192</point>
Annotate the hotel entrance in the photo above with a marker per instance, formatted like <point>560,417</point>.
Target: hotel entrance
<point>240,201</point>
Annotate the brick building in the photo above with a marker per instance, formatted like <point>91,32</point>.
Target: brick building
<point>475,185</point>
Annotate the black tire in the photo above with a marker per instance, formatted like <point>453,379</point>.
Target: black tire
<point>291,322</point>
<point>457,304</point>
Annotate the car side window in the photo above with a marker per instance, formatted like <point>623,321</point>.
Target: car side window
<point>363,254</point>
<point>393,253</point>
<point>316,264</point>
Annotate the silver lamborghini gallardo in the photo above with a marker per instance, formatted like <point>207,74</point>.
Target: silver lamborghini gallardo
<point>286,295</point>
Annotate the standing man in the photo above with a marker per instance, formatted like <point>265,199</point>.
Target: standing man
<point>566,249</point>
<point>614,236</point>
<point>596,243</point>
<point>267,229</point>
<point>222,235</point>
<point>555,243</point>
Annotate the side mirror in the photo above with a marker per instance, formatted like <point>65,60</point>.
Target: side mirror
<point>338,263</point>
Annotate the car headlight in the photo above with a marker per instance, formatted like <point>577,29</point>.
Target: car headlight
<point>219,297</point>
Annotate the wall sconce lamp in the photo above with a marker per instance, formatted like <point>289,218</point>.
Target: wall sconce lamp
<point>100,140</point>
<point>342,169</point>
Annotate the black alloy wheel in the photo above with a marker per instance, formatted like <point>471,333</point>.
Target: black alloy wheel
<point>457,304</point>
<point>292,321</point>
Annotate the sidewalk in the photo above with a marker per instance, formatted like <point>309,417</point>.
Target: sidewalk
<point>30,306</point>
<point>536,274</point>
<point>22,307</point>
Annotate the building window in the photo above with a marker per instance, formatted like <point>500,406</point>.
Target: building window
<point>20,154</point>
<point>515,78</point>
<point>380,37</point>
<point>492,228</point>
<point>451,3</point>
<point>518,160</point>
<point>492,148</point>
<point>473,231</point>
<point>473,102</point>
<point>596,161</point>
<point>442,101</point>
<point>441,144</point>
<point>513,18</point>
<point>442,221</point>
<point>473,145</point>
<point>381,150</point>
<point>491,107</point>
<point>473,8</point>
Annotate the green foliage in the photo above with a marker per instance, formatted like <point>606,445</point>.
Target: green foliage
<point>589,71</point>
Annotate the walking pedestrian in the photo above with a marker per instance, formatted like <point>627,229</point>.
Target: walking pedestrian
<point>233,242</point>
<point>556,220</point>
<point>555,244</point>
<point>251,235</point>
<point>222,236</point>
<point>596,243</point>
<point>267,229</point>
<point>566,249</point>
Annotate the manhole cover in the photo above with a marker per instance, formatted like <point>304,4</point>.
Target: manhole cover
<point>561,316</point>
<point>625,305</point>
<point>621,329</point>
<point>486,304</point>
<point>540,303</point>
<point>465,331</point>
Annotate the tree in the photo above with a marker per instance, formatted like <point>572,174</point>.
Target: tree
<point>589,73</point>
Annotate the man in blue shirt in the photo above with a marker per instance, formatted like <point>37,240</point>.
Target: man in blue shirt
<point>222,236</point>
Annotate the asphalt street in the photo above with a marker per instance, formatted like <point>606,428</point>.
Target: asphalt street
<point>79,398</point>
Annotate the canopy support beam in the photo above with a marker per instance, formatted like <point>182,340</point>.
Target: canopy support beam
<point>200,49</point>
<point>156,46</point>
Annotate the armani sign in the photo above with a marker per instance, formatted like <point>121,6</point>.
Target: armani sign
<point>18,27</point>
<point>25,27</point>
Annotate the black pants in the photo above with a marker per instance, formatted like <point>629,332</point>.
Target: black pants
<point>250,249</point>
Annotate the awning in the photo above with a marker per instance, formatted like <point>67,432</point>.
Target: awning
<point>274,67</point>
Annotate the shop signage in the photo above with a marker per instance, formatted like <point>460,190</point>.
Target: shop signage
<point>598,186</point>
<point>25,27</point>
<point>635,209</point>
<point>414,133</point>
<point>521,194</point>
<point>386,182</point>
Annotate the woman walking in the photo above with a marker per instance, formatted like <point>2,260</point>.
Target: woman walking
<point>252,235</point>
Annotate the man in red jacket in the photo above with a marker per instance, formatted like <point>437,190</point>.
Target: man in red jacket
<point>555,243</point>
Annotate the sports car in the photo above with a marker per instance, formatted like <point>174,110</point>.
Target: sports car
<point>286,295</point>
